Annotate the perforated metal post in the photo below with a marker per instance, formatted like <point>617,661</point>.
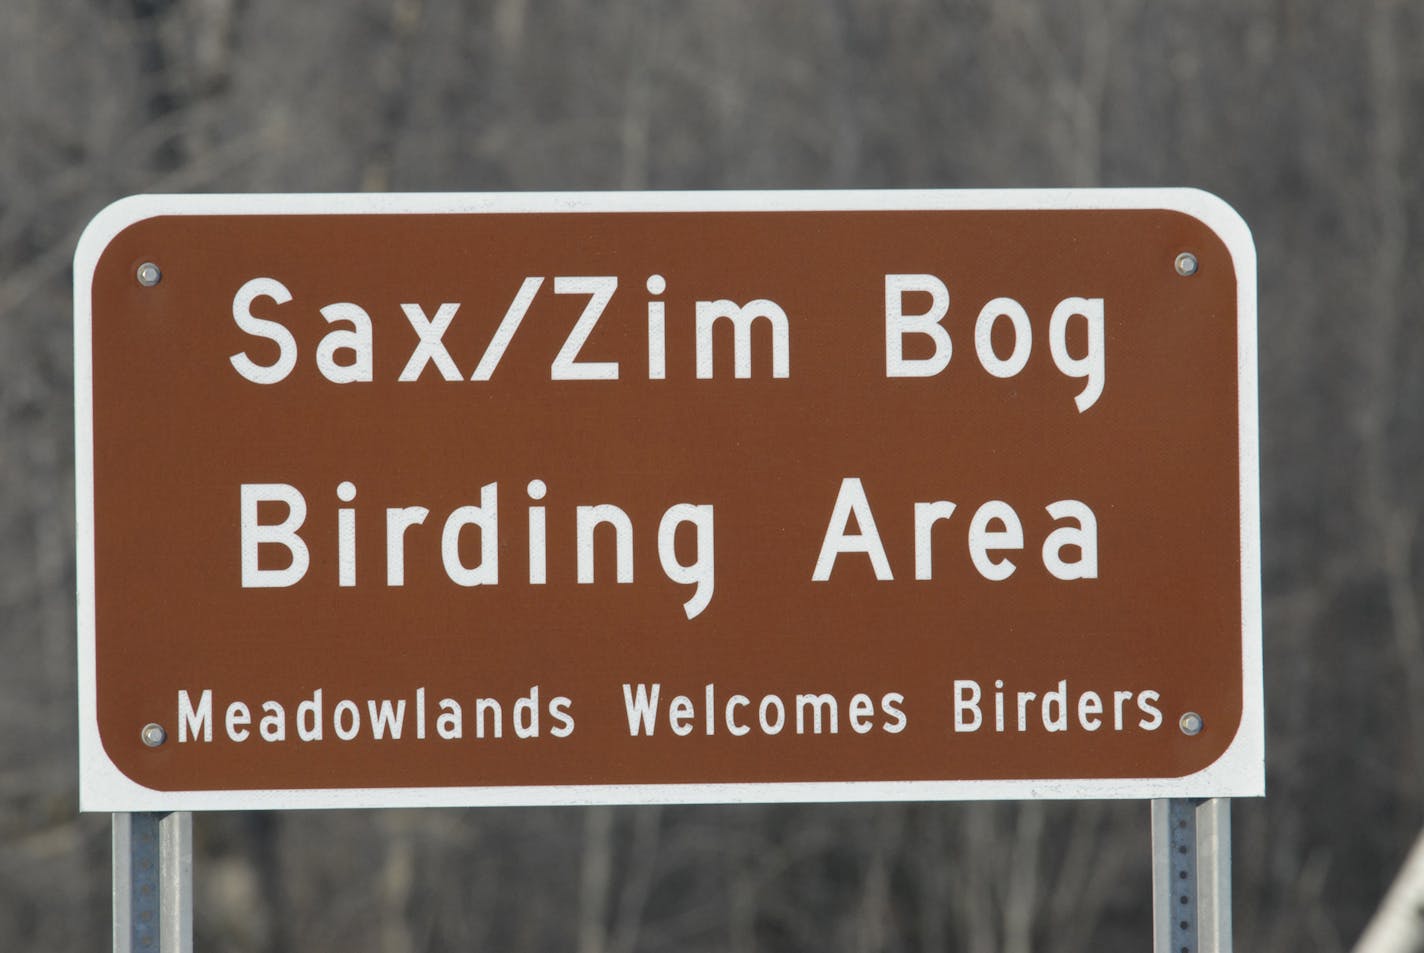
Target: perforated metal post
<point>1191,875</point>
<point>153,883</point>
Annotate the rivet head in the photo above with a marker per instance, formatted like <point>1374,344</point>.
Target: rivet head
<point>153,735</point>
<point>1191,723</point>
<point>1186,264</point>
<point>149,275</point>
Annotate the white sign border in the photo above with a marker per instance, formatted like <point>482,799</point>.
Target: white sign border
<point>1239,772</point>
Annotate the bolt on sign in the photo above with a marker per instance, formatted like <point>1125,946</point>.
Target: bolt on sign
<point>576,498</point>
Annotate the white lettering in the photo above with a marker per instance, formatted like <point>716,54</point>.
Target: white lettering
<point>701,573</point>
<point>816,704</point>
<point>197,723</point>
<point>742,318</point>
<point>260,327</point>
<point>890,704</point>
<point>274,722</point>
<point>1090,707</point>
<point>642,709</point>
<point>563,720</point>
<point>238,717</point>
<point>771,703</point>
<point>309,720</point>
<point>386,718</point>
<point>430,348</point>
<point>1154,715</point>
<point>1055,708</point>
<point>566,366</point>
<point>526,715</point>
<point>357,341</point>
<point>862,707</point>
<point>486,517</point>
<point>1091,365</point>
<point>398,520</point>
<point>898,324</point>
<point>1084,536</point>
<point>850,500</point>
<point>680,714</point>
<point>967,716</point>
<point>984,337</point>
<point>518,308</point>
<point>982,539</point>
<point>450,724</point>
<point>588,519</point>
<point>254,535</point>
<point>346,720</point>
<point>926,515</point>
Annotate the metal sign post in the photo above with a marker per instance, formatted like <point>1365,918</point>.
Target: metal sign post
<point>1191,878</point>
<point>153,882</point>
<point>1191,875</point>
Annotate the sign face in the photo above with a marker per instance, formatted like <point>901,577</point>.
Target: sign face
<point>576,498</point>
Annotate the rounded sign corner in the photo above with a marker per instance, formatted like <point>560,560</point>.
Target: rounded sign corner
<point>108,224</point>
<point>1239,770</point>
<point>1224,221</point>
<point>104,787</point>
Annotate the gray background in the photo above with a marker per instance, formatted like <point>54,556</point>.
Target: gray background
<point>1304,114</point>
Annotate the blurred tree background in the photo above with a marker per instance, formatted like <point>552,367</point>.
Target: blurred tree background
<point>1307,115</point>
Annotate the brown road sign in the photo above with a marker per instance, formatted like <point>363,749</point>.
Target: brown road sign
<point>470,499</point>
